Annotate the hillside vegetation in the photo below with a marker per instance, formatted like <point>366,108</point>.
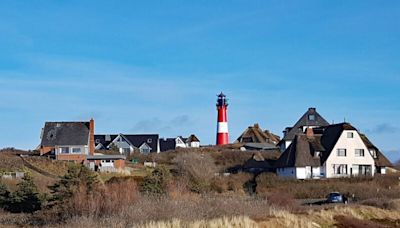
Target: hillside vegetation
<point>188,189</point>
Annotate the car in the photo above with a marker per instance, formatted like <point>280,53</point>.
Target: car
<point>335,197</point>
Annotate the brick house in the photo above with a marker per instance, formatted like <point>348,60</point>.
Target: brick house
<point>74,141</point>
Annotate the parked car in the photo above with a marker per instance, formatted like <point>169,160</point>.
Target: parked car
<point>336,197</point>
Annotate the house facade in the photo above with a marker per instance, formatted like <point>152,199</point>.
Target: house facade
<point>127,144</point>
<point>167,144</point>
<point>70,141</point>
<point>106,163</point>
<point>337,150</point>
<point>255,138</point>
<point>75,141</point>
<point>310,119</point>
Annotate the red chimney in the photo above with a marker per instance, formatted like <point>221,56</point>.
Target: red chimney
<point>91,137</point>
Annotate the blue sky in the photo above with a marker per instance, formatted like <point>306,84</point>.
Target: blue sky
<point>156,66</point>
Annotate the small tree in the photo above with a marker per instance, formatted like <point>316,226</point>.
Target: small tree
<point>26,198</point>
<point>72,181</point>
<point>4,196</point>
<point>157,182</point>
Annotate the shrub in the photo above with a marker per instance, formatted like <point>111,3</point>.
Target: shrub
<point>4,196</point>
<point>198,168</point>
<point>26,198</point>
<point>156,183</point>
<point>72,181</point>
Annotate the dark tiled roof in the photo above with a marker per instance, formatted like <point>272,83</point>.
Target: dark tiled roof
<point>149,139</point>
<point>304,121</point>
<point>380,159</point>
<point>260,146</point>
<point>65,133</point>
<point>102,139</point>
<point>135,140</point>
<point>167,144</point>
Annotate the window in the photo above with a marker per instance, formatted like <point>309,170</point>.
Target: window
<point>97,141</point>
<point>341,152</point>
<point>373,153</point>
<point>64,150</point>
<point>149,140</point>
<point>339,169</point>
<point>350,135</point>
<point>76,150</point>
<point>126,151</point>
<point>317,154</point>
<point>311,117</point>
<point>359,152</point>
<point>145,150</point>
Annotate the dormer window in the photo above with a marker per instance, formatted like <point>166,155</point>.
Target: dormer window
<point>373,153</point>
<point>311,117</point>
<point>317,154</point>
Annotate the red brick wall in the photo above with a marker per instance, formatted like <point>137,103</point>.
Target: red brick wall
<point>119,164</point>
<point>45,150</point>
<point>71,157</point>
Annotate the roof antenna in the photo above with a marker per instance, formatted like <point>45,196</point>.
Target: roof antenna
<point>344,120</point>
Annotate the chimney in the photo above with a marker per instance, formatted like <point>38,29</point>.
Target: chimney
<point>310,132</point>
<point>91,137</point>
<point>256,125</point>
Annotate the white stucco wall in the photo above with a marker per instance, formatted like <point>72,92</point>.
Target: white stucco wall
<point>194,144</point>
<point>350,144</point>
<point>84,149</point>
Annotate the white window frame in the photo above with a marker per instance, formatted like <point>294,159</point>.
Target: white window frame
<point>340,169</point>
<point>73,152</point>
<point>339,154</point>
<point>64,147</point>
<point>359,152</point>
<point>350,135</point>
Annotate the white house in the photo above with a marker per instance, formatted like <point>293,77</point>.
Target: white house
<point>192,141</point>
<point>167,144</point>
<point>126,144</point>
<point>339,151</point>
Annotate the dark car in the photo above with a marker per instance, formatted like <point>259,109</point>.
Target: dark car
<point>335,197</point>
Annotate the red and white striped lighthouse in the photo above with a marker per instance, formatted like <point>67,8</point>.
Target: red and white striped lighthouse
<point>222,127</point>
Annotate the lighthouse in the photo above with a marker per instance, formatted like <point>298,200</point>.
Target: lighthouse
<point>222,127</point>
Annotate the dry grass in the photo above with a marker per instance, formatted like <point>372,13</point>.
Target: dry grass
<point>334,217</point>
<point>387,186</point>
<point>57,168</point>
<point>9,162</point>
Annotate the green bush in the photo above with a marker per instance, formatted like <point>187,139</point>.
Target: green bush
<point>157,182</point>
<point>26,198</point>
<point>76,177</point>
